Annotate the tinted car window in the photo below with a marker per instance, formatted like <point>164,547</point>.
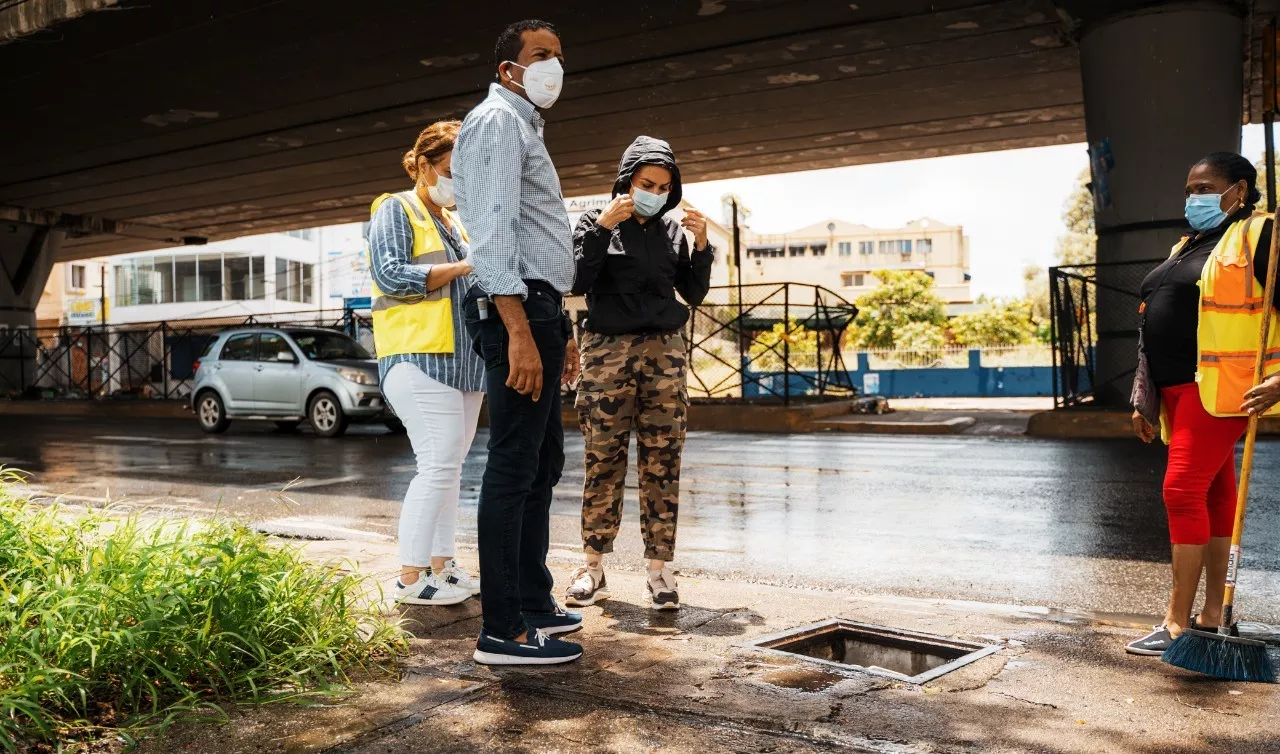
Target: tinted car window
<point>271,344</point>
<point>239,348</point>
<point>318,345</point>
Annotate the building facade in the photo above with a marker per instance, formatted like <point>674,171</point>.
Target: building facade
<point>844,257</point>
<point>267,276</point>
<point>73,294</point>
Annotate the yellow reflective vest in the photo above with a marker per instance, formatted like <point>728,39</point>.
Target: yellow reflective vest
<point>415,324</point>
<point>1231,312</point>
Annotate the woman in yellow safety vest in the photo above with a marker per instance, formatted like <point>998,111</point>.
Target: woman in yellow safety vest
<point>430,377</point>
<point>1200,316</point>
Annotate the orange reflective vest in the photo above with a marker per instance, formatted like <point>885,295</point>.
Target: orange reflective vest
<point>1231,312</point>
<point>415,324</point>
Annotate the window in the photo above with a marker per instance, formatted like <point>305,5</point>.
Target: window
<point>925,246</point>
<point>867,247</point>
<point>186,281</point>
<point>78,277</point>
<point>846,279</point>
<point>271,345</point>
<point>859,280</point>
<point>237,272</point>
<point>307,234</point>
<point>797,251</point>
<point>845,248</point>
<point>294,281</point>
<point>327,345</point>
<point>818,249</point>
<point>930,274</point>
<point>240,348</point>
<point>886,247</point>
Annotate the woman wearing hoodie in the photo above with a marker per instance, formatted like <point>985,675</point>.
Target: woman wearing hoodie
<point>631,261</point>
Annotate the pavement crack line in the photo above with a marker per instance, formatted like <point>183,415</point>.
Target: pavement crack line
<point>787,730</point>
<point>1207,709</point>
<point>1025,701</point>
<point>356,743</point>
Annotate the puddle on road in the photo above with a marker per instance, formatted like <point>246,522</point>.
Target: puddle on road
<point>802,679</point>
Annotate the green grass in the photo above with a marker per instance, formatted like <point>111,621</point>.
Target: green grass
<point>120,624</point>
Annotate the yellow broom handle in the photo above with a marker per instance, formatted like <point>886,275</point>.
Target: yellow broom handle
<point>1251,435</point>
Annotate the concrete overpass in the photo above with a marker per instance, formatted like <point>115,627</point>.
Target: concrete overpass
<point>130,125</point>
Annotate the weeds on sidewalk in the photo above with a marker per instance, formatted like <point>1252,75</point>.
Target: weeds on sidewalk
<point>124,624</point>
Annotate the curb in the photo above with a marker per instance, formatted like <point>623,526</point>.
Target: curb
<point>872,427</point>
<point>1067,424</point>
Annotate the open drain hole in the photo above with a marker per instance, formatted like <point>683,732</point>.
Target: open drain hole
<point>878,650</point>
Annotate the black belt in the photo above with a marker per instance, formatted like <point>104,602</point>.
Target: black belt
<point>547,288</point>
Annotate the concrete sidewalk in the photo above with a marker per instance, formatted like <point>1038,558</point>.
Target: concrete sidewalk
<point>685,682</point>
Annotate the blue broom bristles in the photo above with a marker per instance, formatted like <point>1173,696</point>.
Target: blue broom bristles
<point>1221,656</point>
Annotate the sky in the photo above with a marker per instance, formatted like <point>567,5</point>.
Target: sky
<point>1010,203</point>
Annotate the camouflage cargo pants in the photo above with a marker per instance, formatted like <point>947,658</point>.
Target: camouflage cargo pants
<point>632,381</point>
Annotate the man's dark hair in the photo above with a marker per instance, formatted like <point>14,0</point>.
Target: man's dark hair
<point>1234,168</point>
<point>511,40</point>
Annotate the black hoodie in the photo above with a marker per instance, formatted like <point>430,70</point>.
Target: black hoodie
<point>630,273</point>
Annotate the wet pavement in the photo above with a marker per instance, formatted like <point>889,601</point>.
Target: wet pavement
<point>1066,524</point>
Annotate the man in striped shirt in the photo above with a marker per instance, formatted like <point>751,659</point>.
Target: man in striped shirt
<point>521,248</point>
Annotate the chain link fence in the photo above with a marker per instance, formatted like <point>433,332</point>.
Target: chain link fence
<point>759,341</point>
<point>1094,309</point>
<point>153,360</point>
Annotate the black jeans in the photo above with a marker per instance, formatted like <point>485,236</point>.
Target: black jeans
<point>526,456</point>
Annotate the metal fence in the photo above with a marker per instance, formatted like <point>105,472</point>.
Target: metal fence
<point>955,357</point>
<point>738,335</point>
<point>1076,295</point>
<point>152,360</point>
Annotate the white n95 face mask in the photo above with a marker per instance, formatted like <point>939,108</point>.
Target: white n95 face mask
<point>442,192</point>
<point>543,81</point>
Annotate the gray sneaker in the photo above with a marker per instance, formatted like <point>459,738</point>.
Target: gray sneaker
<point>1153,644</point>
<point>661,590</point>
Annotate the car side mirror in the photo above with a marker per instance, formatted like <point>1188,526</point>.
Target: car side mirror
<point>287,356</point>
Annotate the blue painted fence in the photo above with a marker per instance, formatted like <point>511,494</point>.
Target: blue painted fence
<point>973,381</point>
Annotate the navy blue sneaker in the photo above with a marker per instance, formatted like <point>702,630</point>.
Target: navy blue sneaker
<point>560,621</point>
<point>538,649</point>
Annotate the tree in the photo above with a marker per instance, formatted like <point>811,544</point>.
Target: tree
<point>767,348</point>
<point>903,297</point>
<point>1079,245</point>
<point>997,323</point>
<point>1261,166</point>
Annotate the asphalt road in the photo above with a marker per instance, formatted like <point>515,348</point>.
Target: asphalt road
<point>1070,525</point>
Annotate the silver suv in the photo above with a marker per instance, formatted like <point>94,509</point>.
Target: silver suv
<point>288,375</point>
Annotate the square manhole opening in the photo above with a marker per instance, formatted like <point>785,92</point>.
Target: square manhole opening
<point>878,650</point>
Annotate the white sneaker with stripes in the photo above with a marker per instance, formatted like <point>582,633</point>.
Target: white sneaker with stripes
<point>429,589</point>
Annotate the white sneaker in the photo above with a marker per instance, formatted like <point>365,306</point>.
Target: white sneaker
<point>452,573</point>
<point>429,589</point>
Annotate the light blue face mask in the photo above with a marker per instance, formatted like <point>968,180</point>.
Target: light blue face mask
<point>1204,211</point>
<point>648,204</point>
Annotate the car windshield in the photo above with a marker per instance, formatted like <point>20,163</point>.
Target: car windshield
<point>327,346</point>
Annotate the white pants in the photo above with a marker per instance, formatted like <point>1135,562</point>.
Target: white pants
<point>441,423</point>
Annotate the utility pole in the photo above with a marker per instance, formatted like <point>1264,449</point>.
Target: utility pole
<point>102,302</point>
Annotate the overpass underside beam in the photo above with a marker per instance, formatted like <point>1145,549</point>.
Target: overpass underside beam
<point>23,18</point>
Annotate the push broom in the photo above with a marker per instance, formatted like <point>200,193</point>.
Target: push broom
<point>1220,654</point>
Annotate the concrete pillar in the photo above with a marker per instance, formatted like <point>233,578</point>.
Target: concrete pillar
<point>27,254</point>
<point>1162,88</point>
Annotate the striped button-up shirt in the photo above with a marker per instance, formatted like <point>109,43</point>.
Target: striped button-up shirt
<point>391,263</point>
<point>509,197</point>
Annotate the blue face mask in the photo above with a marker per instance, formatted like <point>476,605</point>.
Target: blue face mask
<point>1204,211</point>
<point>648,204</point>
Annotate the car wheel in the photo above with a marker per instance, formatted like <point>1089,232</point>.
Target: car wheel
<point>288,425</point>
<point>211,413</point>
<point>326,415</point>
<point>395,425</point>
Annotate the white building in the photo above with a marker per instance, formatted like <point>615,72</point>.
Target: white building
<point>270,276</point>
<point>844,256</point>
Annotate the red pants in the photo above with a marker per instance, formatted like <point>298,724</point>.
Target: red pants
<point>1200,482</point>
